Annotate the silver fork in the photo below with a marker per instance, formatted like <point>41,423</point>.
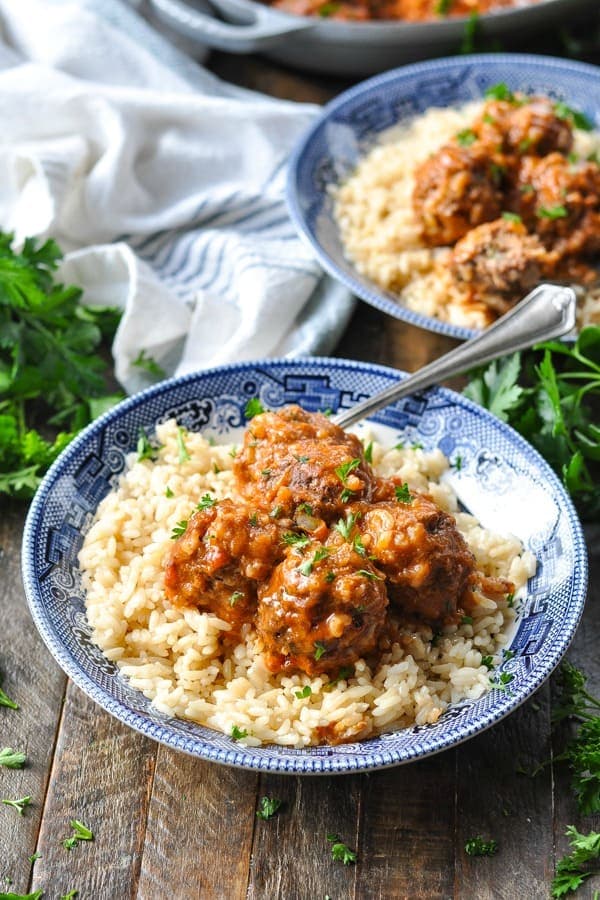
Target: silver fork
<point>547,312</point>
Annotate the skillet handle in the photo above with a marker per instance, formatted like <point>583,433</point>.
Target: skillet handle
<point>256,26</point>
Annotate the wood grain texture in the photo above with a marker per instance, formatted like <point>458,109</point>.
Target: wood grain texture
<point>291,857</point>
<point>31,678</point>
<point>199,830</point>
<point>407,831</point>
<point>102,776</point>
<point>585,654</point>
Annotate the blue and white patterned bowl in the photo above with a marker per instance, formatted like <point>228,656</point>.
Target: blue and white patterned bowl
<point>351,124</point>
<point>502,480</point>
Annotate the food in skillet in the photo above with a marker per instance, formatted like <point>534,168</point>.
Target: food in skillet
<point>408,10</point>
<point>300,588</point>
<point>467,209</point>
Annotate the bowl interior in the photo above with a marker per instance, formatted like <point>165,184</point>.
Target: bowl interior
<point>355,121</point>
<point>503,481</point>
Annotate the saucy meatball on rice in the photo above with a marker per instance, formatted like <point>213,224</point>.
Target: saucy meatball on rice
<point>325,601</point>
<point>464,210</point>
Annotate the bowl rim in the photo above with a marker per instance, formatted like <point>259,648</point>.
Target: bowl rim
<point>301,761</point>
<point>371,293</point>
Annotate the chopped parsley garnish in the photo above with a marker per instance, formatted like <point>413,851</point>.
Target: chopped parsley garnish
<point>576,118</point>
<point>527,189</point>
<point>253,519</point>
<point>369,452</point>
<point>253,408</point>
<point>320,649</point>
<point>12,759</point>
<point>346,468</point>
<point>169,493</point>
<point>500,91</point>
<point>233,452</point>
<point>238,733</point>
<point>417,445</point>
<point>267,807</point>
<point>466,137</point>
<point>305,692</point>
<point>552,212</point>
<point>344,673</point>
<point>146,450</point>
<point>305,508</point>
<point>237,595</point>
<point>275,512</point>
<point>330,577</point>
<point>80,833</point>
<point>307,567</point>
<point>511,217</point>
<point>508,654</point>
<point>467,620</point>
<point>328,9</point>
<point>345,526</point>
<point>399,446</point>
<point>6,701</point>
<point>295,540</point>
<point>573,869</point>
<point>502,680</point>
<point>358,545</point>
<point>488,662</point>
<point>266,473</point>
<point>19,805</point>
<point>478,847</point>
<point>341,852</point>
<point>525,144</point>
<point>179,529</point>
<point>403,494</point>
<point>71,895</point>
<point>573,158</point>
<point>367,574</point>
<point>443,7</point>
<point>148,365</point>
<point>206,502</point>
<point>34,856</point>
<point>490,120</point>
<point>457,463</point>
<point>35,896</point>
<point>302,459</point>
<point>346,495</point>
<point>510,599</point>
<point>182,450</point>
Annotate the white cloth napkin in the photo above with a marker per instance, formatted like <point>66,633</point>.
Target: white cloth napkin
<point>165,186</point>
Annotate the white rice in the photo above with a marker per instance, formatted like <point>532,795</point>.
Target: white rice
<point>381,234</point>
<point>174,656</point>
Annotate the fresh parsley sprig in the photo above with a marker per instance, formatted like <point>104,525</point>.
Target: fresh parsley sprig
<point>574,868</point>
<point>551,395</point>
<point>267,808</point>
<point>50,370</point>
<point>340,852</point>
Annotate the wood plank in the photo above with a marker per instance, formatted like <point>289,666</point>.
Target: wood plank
<point>32,679</point>
<point>584,654</point>
<point>199,832</point>
<point>495,801</point>
<point>102,775</point>
<point>291,855</point>
<point>407,833</point>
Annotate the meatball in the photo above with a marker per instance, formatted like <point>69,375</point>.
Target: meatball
<point>298,462</point>
<point>455,190</point>
<point>214,565</point>
<point>499,262</point>
<point>524,127</point>
<point>323,608</point>
<point>560,201</point>
<point>429,568</point>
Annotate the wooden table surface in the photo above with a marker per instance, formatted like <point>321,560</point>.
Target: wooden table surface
<point>169,826</point>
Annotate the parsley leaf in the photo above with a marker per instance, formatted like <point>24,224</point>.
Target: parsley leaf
<point>253,408</point>
<point>6,701</point>
<point>295,540</point>
<point>341,852</point>
<point>403,494</point>
<point>499,91</point>
<point>552,212</point>
<point>570,872</point>
<point>80,833</point>
<point>320,649</point>
<point>346,468</point>
<point>12,759</point>
<point>476,846</point>
<point>267,807</point>
<point>237,595</point>
<point>50,370</point>
<point>179,529</point>
<point>466,137</point>
<point>238,733</point>
<point>19,805</point>
<point>206,502</point>
<point>345,526</point>
<point>184,456</point>
<point>576,118</point>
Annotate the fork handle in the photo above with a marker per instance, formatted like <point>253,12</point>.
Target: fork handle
<point>547,312</point>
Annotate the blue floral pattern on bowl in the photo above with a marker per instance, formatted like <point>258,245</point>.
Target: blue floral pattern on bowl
<point>502,480</point>
<point>351,124</point>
